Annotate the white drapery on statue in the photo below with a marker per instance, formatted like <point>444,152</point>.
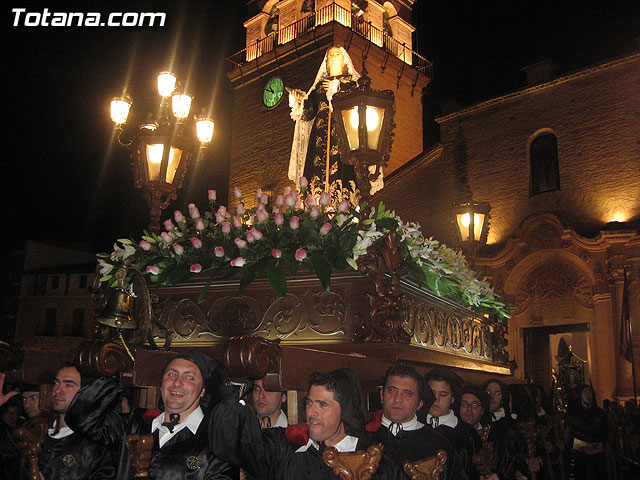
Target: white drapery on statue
<point>302,130</point>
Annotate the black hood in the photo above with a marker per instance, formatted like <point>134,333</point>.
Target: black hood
<point>348,393</point>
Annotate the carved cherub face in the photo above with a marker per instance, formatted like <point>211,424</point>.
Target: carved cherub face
<point>335,62</point>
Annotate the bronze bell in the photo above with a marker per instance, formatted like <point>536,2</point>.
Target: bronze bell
<point>117,312</point>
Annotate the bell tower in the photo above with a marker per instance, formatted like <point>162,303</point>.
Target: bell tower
<point>285,44</point>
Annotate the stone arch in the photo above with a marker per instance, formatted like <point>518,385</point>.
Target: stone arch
<point>390,9</point>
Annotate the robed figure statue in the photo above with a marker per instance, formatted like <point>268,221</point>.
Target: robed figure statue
<point>314,153</point>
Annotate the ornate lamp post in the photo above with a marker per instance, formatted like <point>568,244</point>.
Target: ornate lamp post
<point>162,147</point>
<point>472,225</point>
<point>364,122</point>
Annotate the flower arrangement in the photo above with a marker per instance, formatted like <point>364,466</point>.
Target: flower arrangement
<point>299,229</point>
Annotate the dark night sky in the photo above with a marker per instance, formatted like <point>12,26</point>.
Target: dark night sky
<point>66,179</point>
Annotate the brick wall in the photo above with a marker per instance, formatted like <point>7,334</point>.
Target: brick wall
<point>595,115</point>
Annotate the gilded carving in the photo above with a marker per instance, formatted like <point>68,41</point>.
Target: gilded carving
<point>554,282</point>
<point>432,327</point>
<point>234,316</point>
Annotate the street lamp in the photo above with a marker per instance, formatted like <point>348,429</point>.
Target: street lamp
<point>162,147</point>
<point>472,225</point>
<point>365,131</point>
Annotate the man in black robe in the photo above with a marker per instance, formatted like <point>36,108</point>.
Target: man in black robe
<point>66,453</point>
<point>335,417</point>
<point>404,437</point>
<point>446,387</point>
<point>190,382</point>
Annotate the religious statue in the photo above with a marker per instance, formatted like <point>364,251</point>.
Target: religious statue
<point>314,153</point>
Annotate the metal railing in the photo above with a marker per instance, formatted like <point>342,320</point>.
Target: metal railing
<point>330,13</point>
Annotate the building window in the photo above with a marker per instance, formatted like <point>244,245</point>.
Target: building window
<point>50,316</point>
<point>82,282</point>
<point>55,282</point>
<point>41,285</point>
<point>543,160</point>
<point>77,326</point>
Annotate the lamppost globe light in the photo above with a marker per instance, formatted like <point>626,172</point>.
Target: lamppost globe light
<point>166,83</point>
<point>120,110</point>
<point>204,129</point>
<point>181,105</point>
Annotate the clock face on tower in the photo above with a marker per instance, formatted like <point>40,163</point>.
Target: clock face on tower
<point>273,92</point>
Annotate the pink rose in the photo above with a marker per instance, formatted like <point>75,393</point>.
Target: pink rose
<point>199,224</point>
<point>153,269</point>
<point>179,249</point>
<point>343,206</point>
<point>222,210</point>
<point>315,212</point>
<point>275,253</point>
<point>262,215</point>
<point>324,229</point>
<point>303,182</point>
<point>301,254</point>
<point>257,234</point>
<point>219,217</point>
<point>195,268</point>
<point>290,200</point>
<point>166,238</point>
<point>168,225</point>
<point>237,192</point>
<point>219,252</point>
<point>287,190</point>
<point>325,199</point>
<point>264,199</point>
<point>299,204</point>
<point>226,227</point>
<point>279,219</point>
<point>240,210</point>
<point>294,223</point>
<point>237,262</point>
<point>279,200</point>
<point>193,211</point>
<point>144,245</point>
<point>211,194</point>
<point>310,201</point>
<point>236,222</point>
<point>240,243</point>
<point>196,242</point>
<point>178,216</point>
<point>249,236</point>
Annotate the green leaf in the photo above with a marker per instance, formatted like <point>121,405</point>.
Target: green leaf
<point>149,239</point>
<point>352,263</point>
<point>103,255</point>
<point>387,222</point>
<point>125,241</point>
<point>277,278</point>
<point>248,276</point>
<point>289,259</point>
<point>203,292</point>
<point>106,278</point>
<point>322,269</point>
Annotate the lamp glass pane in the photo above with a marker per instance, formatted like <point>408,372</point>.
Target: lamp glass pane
<point>119,110</point>
<point>181,104</point>
<point>154,160</point>
<point>350,121</point>
<point>374,118</point>
<point>175,154</point>
<point>464,219</point>
<point>478,221</point>
<point>166,83</point>
<point>204,130</point>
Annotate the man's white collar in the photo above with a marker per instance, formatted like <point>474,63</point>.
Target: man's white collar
<point>498,414</point>
<point>64,432</point>
<point>281,421</point>
<point>192,422</point>
<point>347,444</point>
<point>449,420</point>
<point>394,427</point>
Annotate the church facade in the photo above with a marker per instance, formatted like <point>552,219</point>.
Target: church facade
<point>560,165</point>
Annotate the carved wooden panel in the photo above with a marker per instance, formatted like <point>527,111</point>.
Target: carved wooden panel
<point>427,469</point>
<point>359,465</point>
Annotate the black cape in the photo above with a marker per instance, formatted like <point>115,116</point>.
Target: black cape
<point>412,445</point>
<point>186,456</point>
<point>74,457</point>
<point>235,436</point>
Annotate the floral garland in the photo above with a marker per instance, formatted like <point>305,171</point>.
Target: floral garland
<point>300,229</point>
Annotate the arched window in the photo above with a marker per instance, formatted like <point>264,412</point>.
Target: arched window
<point>543,161</point>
